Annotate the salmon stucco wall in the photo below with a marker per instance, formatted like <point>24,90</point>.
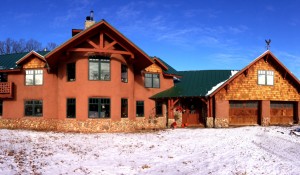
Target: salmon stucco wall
<point>14,108</point>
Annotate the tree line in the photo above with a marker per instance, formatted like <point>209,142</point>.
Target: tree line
<point>10,45</point>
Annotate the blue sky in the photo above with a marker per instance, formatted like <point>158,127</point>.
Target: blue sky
<point>189,35</point>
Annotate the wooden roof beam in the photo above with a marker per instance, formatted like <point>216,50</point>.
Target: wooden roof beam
<point>118,42</point>
<point>246,72</point>
<point>92,44</point>
<point>101,51</point>
<point>110,45</point>
<point>266,57</point>
<point>101,41</point>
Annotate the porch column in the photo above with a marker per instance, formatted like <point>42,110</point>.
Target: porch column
<point>297,117</point>
<point>209,118</point>
<point>170,113</point>
<point>222,114</point>
<point>265,113</point>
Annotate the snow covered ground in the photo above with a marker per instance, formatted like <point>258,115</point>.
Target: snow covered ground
<point>244,150</point>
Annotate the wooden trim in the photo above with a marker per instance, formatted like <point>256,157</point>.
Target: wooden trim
<point>101,41</point>
<point>161,64</point>
<point>132,56</point>
<point>110,45</point>
<point>100,51</point>
<point>92,43</point>
<point>174,102</point>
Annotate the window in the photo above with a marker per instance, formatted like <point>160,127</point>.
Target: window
<point>71,108</point>
<point>158,108</point>
<point>33,108</point>
<point>151,80</point>
<point>3,77</point>
<point>71,71</point>
<point>243,104</point>
<point>34,77</point>
<point>280,104</point>
<point>124,108</point>
<point>124,73</point>
<point>99,68</point>
<point>1,107</point>
<point>140,108</point>
<point>265,77</point>
<point>99,108</point>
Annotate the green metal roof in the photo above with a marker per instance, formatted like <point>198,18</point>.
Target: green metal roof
<point>8,61</point>
<point>196,83</point>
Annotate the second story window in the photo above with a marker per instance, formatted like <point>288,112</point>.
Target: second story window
<point>152,80</point>
<point>71,71</point>
<point>99,68</point>
<point>124,73</point>
<point>266,77</point>
<point>34,77</point>
<point>3,77</point>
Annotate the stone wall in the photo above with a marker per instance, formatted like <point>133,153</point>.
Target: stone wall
<point>88,126</point>
<point>209,122</point>
<point>221,123</point>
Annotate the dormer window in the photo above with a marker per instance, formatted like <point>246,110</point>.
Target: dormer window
<point>152,80</point>
<point>34,77</point>
<point>266,77</point>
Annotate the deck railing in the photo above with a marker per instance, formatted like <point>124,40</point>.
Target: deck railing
<point>6,90</point>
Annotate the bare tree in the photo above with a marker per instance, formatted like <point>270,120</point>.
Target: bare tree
<point>2,49</point>
<point>9,45</point>
<point>33,45</point>
<point>18,46</point>
<point>51,46</point>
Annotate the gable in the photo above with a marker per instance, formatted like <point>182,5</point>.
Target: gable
<point>34,63</point>
<point>153,68</point>
<point>101,39</point>
<point>32,60</point>
<point>245,85</point>
<point>11,62</point>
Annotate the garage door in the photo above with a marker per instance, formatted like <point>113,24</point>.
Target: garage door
<point>243,113</point>
<point>282,113</point>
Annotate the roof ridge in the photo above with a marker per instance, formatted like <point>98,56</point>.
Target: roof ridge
<point>208,70</point>
<point>24,52</point>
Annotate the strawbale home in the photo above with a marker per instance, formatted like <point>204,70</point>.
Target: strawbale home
<point>99,81</point>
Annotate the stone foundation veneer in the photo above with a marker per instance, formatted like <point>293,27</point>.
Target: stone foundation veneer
<point>209,122</point>
<point>221,123</point>
<point>265,121</point>
<point>170,121</point>
<point>88,126</point>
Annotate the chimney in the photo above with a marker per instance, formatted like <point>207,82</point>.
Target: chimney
<point>89,21</point>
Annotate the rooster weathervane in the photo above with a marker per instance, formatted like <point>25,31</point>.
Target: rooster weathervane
<point>268,44</point>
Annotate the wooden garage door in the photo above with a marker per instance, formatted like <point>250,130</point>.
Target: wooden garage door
<point>282,113</point>
<point>243,112</point>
